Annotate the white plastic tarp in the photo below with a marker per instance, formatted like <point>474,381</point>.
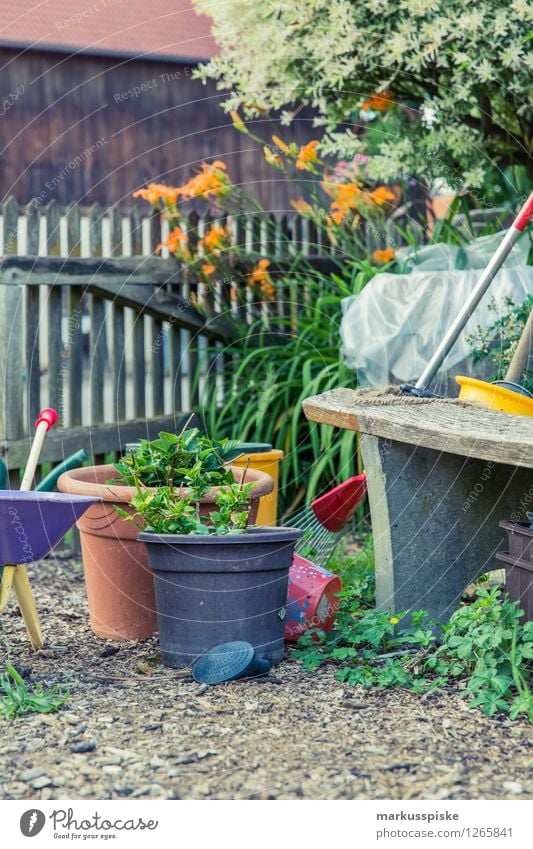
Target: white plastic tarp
<point>390,330</point>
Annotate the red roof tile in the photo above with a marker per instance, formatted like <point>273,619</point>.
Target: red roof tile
<point>162,29</point>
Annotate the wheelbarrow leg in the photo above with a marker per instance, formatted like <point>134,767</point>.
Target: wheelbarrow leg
<point>8,574</point>
<point>27,606</point>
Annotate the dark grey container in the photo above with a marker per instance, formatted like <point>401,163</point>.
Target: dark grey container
<point>217,589</point>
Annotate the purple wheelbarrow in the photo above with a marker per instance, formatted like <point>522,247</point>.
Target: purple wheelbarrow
<point>31,524</point>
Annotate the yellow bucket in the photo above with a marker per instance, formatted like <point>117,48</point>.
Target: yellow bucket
<point>497,397</point>
<point>265,461</point>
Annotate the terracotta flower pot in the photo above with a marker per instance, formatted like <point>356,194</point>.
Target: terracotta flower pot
<point>120,586</point>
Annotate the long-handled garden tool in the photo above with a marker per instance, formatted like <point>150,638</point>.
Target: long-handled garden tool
<point>16,576</point>
<point>31,523</point>
<point>420,388</point>
<point>324,519</point>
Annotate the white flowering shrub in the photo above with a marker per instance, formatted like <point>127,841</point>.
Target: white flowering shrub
<point>454,77</point>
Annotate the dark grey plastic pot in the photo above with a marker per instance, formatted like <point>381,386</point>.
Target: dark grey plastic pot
<point>217,589</point>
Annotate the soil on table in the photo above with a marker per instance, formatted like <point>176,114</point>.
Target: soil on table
<point>133,728</point>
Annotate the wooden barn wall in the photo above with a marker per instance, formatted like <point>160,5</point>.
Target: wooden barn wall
<point>91,129</point>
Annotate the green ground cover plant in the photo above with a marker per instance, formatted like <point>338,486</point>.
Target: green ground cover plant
<point>16,699</point>
<point>484,649</point>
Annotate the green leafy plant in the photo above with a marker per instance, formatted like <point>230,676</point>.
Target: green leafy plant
<point>486,643</point>
<point>421,87</point>
<point>169,511</point>
<point>483,646</point>
<point>497,343</point>
<point>234,509</point>
<point>182,459</point>
<point>18,700</point>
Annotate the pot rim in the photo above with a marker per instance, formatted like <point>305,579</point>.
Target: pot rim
<point>74,483</point>
<point>255,534</point>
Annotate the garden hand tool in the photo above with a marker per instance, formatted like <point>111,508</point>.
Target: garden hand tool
<point>420,388</point>
<point>325,518</point>
<point>16,576</point>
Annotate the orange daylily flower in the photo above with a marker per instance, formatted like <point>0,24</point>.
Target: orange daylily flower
<point>174,241</point>
<point>268,290</point>
<point>338,213</point>
<point>208,268</point>
<point>348,194</point>
<point>281,144</point>
<point>215,239</point>
<point>154,192</point>
<point>259,273</point>
<point>307,156</point>
<point>211,180</point>
<point>383,256</point>
<point>381,195</point>
<point>238,123</point>
<point>259,276</point>
<point>301,206</point>
<point>218,165</point>
<point>379,102</point>
<point>273,158</point>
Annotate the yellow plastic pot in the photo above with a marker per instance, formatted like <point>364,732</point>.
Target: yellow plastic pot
<point>265,461</point>
<point>497,397</point>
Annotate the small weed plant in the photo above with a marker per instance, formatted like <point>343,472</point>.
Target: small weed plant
<point>16,699</point>
<point>484,649</point>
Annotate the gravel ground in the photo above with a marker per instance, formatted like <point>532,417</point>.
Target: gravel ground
<point>135,729</point>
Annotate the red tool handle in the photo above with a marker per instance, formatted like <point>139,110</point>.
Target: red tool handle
<point>335,509</point>
<point>525,215</point>
<point>49,416</point>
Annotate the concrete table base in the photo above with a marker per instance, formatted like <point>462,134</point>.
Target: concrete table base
<point>435,521</point>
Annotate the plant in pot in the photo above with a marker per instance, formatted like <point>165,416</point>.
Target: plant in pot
<point>120,585</point>
<point>217,579</point>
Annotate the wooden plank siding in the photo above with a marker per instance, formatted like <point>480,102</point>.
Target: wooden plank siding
<point>91,129</point>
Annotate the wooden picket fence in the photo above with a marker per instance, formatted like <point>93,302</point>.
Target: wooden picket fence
<point>118,340</point>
